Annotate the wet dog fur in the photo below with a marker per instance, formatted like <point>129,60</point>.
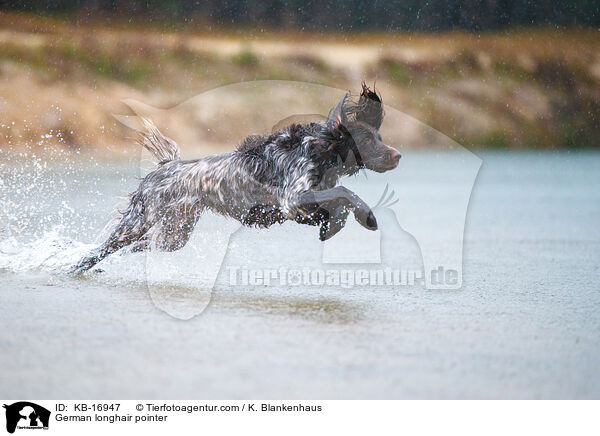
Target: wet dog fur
<point>291,174</point>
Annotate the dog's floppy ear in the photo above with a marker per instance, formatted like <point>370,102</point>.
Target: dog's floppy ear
<point>369,108</point>
<point>333,140</point>
<point>338,114</point>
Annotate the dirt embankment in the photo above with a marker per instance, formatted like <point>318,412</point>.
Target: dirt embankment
<point>60,83</point>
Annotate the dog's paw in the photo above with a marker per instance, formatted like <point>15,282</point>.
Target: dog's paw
<point>82,267</point>
<point>324,231</point>
<point>329,229</point>
<point>75,271</point>
<point>335,223</point>
<point>371,221</point>
<point>366,218</point>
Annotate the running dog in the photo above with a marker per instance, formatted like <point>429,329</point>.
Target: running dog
<point>287,175</point>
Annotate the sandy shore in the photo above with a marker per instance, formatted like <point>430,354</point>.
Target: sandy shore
<point>61,84</point>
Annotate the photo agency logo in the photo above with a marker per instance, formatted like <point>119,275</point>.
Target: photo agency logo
<point>24,415</point>
<point>393,222</point>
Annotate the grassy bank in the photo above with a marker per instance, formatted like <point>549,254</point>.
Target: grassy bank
<point>61,83</point>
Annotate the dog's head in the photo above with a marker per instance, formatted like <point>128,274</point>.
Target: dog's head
<point>352,134</point>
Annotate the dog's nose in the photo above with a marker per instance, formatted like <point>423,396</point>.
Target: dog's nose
<point>395,156</point>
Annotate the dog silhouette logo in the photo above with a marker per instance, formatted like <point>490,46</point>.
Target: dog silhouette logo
<point>421,208</point>
<point>26,415</point>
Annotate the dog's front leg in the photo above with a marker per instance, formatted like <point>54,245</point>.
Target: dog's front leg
<point>334,200</point>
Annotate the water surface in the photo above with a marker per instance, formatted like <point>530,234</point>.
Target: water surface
<point>525,324</point>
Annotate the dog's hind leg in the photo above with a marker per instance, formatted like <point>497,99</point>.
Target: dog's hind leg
<point>173,232</point>
<point>176,227</point>
<point>132,227</point>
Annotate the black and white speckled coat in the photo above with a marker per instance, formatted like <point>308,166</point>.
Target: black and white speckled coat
<point>287,175</point>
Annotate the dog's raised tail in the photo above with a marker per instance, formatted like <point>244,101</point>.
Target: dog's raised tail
<point>163,148</point>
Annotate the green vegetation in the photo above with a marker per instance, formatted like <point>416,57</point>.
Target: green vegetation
<point>495,140</point>
<point>245,58</point>
<point>396,71</point>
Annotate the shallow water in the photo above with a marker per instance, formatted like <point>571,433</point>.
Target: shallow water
<point>524,324</point>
